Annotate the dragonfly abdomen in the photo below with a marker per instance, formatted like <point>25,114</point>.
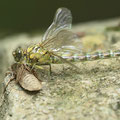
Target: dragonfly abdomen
<point>88,57</point>
<point>96,56</point>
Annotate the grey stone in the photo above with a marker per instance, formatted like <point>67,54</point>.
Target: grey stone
<point>92,94</point>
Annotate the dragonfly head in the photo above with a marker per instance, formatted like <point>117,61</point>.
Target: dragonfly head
<point>18,54</point>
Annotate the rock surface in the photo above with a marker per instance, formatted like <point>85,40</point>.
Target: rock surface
<point>92,94</point>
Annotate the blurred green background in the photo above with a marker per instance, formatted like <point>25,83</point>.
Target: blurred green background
<point>33,15</point>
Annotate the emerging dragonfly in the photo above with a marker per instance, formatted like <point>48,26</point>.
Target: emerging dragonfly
<point>55,45</point>
<point>58,44</point>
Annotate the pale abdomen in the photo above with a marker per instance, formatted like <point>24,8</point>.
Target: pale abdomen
<point>87,57</point>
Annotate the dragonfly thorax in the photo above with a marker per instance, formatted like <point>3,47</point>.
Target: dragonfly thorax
<point>37,55</point>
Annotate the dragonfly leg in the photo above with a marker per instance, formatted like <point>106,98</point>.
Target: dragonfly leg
<point>50,69</point>
<point>37,67</point>
<point>40,67</point>
<point>49,72</point>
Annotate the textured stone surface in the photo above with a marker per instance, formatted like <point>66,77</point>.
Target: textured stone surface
<point>92,94</point>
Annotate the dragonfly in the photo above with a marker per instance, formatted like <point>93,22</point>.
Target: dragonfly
<point>56,42</point>
<point>58,45</point>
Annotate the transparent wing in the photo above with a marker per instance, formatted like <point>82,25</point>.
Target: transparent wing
<point>62,20</point>
<point>58,37</point>
<point>64,41</point>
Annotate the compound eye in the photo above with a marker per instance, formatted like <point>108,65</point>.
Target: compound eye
<point>19,54</point>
